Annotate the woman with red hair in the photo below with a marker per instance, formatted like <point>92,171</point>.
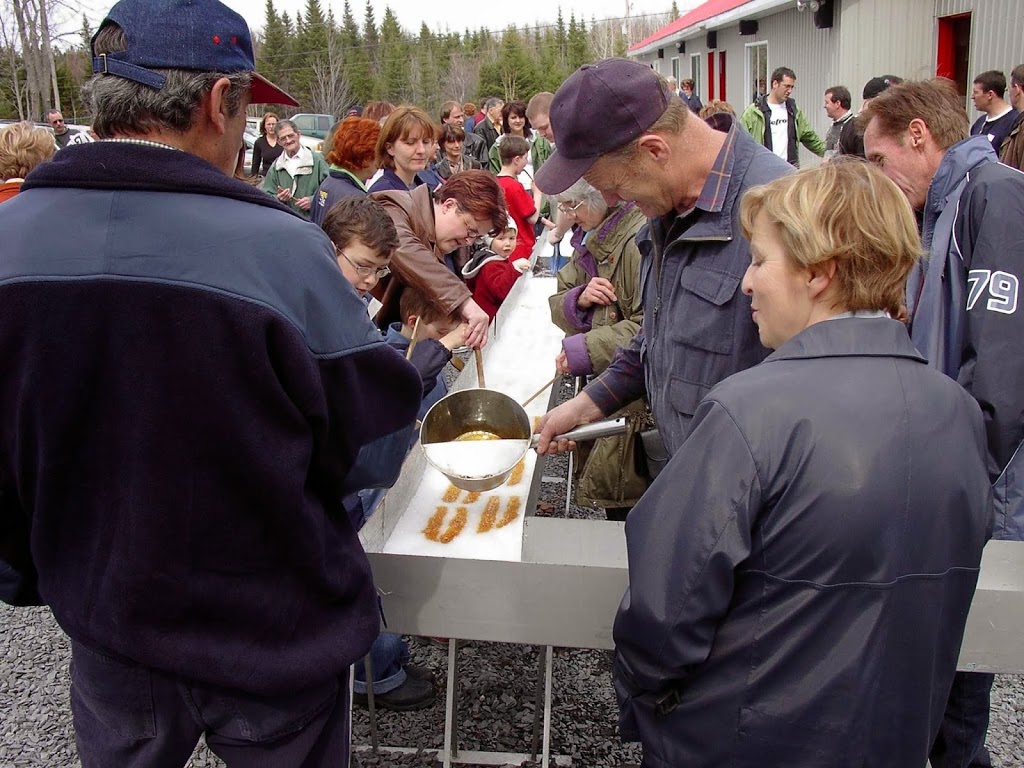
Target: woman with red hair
<point>431,225</point>
<point>353,159</point>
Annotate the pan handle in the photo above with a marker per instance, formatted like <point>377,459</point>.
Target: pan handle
<point>599,429</point>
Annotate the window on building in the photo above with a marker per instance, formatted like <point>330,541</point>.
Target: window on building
<point>675,69</point>
<point>757,70</point>
<point>695,73</point>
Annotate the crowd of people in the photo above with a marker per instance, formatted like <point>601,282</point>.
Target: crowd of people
<point>212,377</point>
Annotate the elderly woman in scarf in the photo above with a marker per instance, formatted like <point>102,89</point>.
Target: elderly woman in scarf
<point>598,305</point>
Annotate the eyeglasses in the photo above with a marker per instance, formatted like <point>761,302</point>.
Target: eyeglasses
<point>286,136</point>
<point>57,121</point>
<point>570,210</point>
<point>378,272</point>
<point>471,232</point>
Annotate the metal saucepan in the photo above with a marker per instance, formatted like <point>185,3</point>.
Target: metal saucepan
<point>483,465</point>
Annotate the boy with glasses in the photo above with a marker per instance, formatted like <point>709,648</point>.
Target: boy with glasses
<point>364,238</point>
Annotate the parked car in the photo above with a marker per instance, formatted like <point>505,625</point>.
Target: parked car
<point>313,125</point>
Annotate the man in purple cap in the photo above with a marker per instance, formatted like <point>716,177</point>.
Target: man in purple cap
<point>189,385</point>
<point>621,127</point>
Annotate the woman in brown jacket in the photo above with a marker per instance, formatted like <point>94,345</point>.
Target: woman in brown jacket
<point>431,225</point>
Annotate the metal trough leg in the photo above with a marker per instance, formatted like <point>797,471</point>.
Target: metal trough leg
<point>549,656</point>
<point>374,744</point>
<point>538,703</point>
<point>451,725</point>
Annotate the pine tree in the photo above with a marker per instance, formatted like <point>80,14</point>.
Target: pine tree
<point>86,33</point>
<point>579,45</point>
<point>395,69</point>
<point>311,45</point>
<point>428,75</point>
<point>561,39</point>
<point>356,60</point>
<point>514,73</point>
<point>274,52</point>
<point>371,41</point>
<point>674,12</point>
<point>552,67</point>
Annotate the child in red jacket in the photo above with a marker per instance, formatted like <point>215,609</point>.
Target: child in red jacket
<point>490,274</point>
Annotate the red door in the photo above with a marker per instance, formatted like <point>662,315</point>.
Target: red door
<point>721,75</point>
<point>711,75</point>
<point>954,50</point>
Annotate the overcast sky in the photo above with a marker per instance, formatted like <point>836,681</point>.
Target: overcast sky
<point>459,16</point>
<point>462,13</point>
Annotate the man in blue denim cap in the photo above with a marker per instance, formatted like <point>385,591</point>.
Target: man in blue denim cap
<point>188,382</point>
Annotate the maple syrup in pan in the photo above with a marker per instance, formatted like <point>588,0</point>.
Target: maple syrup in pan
<point>477,434</point>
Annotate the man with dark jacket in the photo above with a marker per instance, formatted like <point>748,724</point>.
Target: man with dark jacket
<point>962,299</point>
<point>687,176</point>
<point>490,127</point>
<point>189,382</point>
<point>776,122</point>
<point>988,94</point>
<point>1012,150</point>
<point>475,145</point>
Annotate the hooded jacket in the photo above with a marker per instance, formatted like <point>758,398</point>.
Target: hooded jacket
<point>801,572</point>
<point>490,276</point>
<point>963,303</point>
<point>188,380</point>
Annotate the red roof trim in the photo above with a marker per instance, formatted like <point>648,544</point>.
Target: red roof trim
<point>701,13</point>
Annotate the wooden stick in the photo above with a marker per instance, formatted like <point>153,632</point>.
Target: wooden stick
<point>412,341</point>
<point>540,391</point>
<point>479,367</point>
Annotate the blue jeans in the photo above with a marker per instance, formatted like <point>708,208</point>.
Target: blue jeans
<point>960,742</point>
<point>389,655</point>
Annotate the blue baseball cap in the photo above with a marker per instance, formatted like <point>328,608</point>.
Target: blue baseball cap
<point>599,108</point>
<point>198,35</point>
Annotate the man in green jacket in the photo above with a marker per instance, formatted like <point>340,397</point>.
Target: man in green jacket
<point>296,174</point>
<point>789,125</point>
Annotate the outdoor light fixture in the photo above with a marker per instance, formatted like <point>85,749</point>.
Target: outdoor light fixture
<point>813,5</point>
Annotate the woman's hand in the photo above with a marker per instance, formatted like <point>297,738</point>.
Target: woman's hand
<point>562,363</point>
<point>598,291</point>
<point>478,322</point>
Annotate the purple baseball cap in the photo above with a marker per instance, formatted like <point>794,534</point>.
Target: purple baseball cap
<point>199,35</point>
<point>599,108</point>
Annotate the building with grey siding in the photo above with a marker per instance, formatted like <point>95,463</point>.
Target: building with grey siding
<point>729,46</point>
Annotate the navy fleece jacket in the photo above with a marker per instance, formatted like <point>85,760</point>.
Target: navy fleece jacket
<point>188,379</point>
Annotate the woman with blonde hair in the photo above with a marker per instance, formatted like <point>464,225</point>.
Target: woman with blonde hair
<point>801,571</point>
<point>23,146</point>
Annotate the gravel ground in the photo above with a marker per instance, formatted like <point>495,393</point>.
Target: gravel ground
<point>497,687</point>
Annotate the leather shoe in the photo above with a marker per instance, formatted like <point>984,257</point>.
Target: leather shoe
<point>413,694</point>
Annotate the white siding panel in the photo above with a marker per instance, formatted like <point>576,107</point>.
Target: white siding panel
<point>886,37</point>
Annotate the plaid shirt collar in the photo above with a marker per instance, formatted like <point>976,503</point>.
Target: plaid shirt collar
<point>713,195</point>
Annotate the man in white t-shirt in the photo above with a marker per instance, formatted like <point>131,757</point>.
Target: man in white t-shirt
<point>775,121</point>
